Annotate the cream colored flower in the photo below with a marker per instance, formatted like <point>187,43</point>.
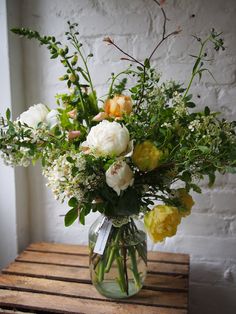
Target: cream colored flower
<point>119,176</point>
<point>107,138</point>
<point>34,115</point>
<point>52,118</point>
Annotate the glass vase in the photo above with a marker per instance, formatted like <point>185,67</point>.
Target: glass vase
<point>120,271</point>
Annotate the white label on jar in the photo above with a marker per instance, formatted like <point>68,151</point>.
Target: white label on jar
<point>103,236</point>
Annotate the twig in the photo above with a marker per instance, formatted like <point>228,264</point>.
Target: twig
<point>130,58</point>
<point>164,36</point>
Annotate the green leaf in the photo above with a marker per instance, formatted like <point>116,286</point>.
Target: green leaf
<point>128,203</point>
<point>147,63</point>
<point>204,149</point>
<point>207,111</point>
<point>230,169</point>
<point>70,217</point>
<point>73,202</point>
<point>212,179</point>
<point>190,104</point>
<point>196,65</point>
<point>187,98</point>
<point>8,114</point>
<point>196,188</point>
<point>82,217</point>
<point>186,176</point>
<point>69,159</point>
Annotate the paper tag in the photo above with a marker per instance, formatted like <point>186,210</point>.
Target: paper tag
<point>102,236</point>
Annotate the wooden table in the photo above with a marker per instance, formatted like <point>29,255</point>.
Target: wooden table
<point>54,278</point>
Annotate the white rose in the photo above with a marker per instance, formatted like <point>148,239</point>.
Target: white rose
<point>119,176</point>
<point>52,118</point>
<point>108,138</point>
<point>34,115</point>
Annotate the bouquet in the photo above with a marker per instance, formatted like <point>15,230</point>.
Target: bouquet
<point>137,151</point>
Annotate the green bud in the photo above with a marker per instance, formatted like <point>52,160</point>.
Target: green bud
<point>64,77</point>
<point>61,52</point>
<point>74,60</point>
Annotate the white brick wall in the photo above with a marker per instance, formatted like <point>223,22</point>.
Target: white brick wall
<point>209,234</point>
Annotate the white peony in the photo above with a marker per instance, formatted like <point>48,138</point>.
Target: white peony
<point>34,115</point>
<point>119,176</point>
<point>108,138</point>
<point>52,118</point>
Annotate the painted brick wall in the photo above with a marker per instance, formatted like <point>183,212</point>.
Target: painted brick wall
<point>209,234</point>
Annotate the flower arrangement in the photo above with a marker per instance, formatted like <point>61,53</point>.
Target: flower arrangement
<point>124,157</point>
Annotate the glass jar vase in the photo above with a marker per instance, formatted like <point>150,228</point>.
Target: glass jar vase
<point>120,271</point>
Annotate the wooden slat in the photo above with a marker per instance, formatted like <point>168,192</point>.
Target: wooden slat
<point>144,297</point>
<point>60,304</point>
<point>83,250</point>
<point>55,278</point>
<point>82,261</point>
<point>5,311</point>
<point>78,274</point>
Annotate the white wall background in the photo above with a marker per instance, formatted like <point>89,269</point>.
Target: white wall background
<point>209,234</point>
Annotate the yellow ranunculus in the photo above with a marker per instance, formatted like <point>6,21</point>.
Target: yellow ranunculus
<point>162,222</point>
<point>186,201</point>
<point>118,105</point>
<point>147,156</point>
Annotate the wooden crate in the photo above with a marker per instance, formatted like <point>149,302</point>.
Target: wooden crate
<point>54,278</point>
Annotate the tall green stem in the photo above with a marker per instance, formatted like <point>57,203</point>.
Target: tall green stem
<point>77,47</point>
<point>195,71</point>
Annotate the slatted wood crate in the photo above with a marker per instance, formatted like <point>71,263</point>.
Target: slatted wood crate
<point>54,278</point>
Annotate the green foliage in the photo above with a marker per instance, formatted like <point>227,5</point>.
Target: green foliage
<point>192,144</point>
<point>70,217</point>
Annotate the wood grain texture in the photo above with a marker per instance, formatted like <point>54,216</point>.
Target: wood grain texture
<point>55,278</point>
<point>78,274</point>
<point>73,260</point>
<point>83,250</point>
<point>61,304</point>
<point>82,290</point>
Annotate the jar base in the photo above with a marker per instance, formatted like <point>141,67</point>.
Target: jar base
<point>111,289</point>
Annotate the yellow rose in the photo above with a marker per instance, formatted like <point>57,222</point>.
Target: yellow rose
<point>162,222</point>
<point>118,105</point>
<point>186,201</point>
<point>146,156</point>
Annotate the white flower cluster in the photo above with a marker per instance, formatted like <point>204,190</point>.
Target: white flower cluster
<point>21,157</point>
<point>178,104</point>
<point>17,152</point>
<point>194,125</point>
<point>67,176</point>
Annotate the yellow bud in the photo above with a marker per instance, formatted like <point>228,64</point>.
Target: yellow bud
<point>147,156</point>
<point>161,222</point>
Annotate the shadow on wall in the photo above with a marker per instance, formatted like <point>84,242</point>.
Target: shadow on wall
<point>211,297</point>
